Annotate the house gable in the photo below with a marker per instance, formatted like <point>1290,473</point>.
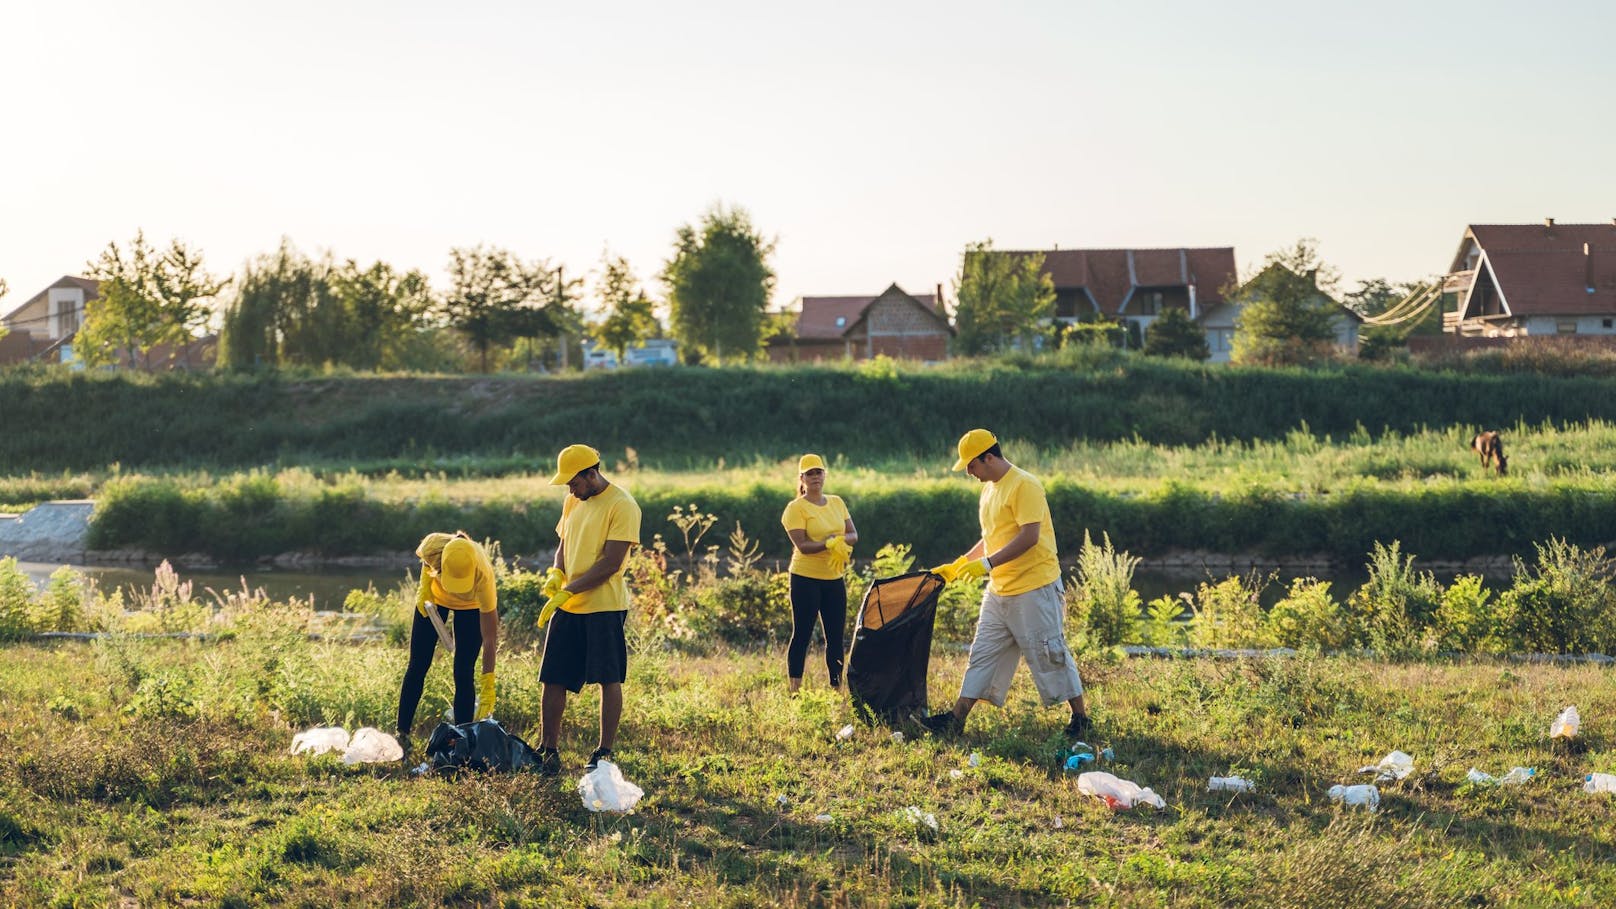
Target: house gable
<point>55,312</point>
<point>1540,270</point>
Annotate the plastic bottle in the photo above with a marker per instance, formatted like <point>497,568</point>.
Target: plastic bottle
<point>1076,761</point>
<point>1366,796</point>
<point>844,733</point>
<point>1230,784</point>
<point>1565,725</point>
<point>1599,782</point>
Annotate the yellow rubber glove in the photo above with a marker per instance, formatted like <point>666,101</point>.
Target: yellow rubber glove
<point>485,698</point>
<point>949,571</point>
<point>556,601</point>
<point>554,580</point>
<point>972,569</point>
<point>420,595</point>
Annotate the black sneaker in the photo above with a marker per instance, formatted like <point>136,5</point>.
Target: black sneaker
<point>1079,726</point>
<point>945,723</point>
<point>549,761</point>
<point>595,757</point>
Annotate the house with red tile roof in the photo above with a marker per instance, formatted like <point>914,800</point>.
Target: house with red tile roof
<point>894,323</point>
<point>1134,286</point>
<point>1532,280</point>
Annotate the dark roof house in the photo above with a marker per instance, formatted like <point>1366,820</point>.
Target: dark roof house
<point>893,323</point>
<point>1520,280</point>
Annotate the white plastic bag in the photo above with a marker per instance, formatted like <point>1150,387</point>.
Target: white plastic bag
<point>921,818</point>
<point>1394,766</point>
<point>604,789</point>
<point>372,746</point>
<point>1117,793</point>
<point>1565,726</point>
<point>320,739</point>
<point>1362,796</point>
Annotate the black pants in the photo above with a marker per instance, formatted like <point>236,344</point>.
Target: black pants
<point>468,635</point>
<point>811,599</point>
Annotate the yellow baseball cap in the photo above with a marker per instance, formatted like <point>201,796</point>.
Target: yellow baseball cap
<point>810,462</point>
<point>572,459</point>
<point>972,444</point>
<point>459,572</point>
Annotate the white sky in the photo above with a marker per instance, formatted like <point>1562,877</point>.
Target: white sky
<point>873,140</point>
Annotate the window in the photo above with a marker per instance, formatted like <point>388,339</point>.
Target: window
<point>841,321</point>
<point>1606,323</point>
<point>1566,326</point>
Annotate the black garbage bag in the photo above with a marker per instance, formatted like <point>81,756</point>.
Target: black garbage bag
<point>483,745</point>
<point>886,670</point>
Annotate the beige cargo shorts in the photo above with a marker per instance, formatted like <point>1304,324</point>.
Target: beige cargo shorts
<point>1030,624</point>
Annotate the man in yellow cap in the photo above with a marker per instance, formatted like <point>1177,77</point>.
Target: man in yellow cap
<point>1024,606</point>
<point>588,600</point>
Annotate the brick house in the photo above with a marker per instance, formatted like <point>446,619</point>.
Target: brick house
<point>894,323</point>
<point>1533,280</point>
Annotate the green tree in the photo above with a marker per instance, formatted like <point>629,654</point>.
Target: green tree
<point>494,296</point>
<point>384,310</point>
<point>146,297</point>
<point>1287,313</point>
<point>1175,334</point>
<point>1005,299</point>
<point>1375,297</point>
<point>629,315</point>
<point>719,283</point>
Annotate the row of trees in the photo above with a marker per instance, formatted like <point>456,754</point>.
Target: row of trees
<point>286,308</point>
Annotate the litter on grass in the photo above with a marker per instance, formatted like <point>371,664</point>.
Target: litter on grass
<point>604,789</point>
<point>320,739</point>
<point>1515,777</point>
<point>921,819</point>
<point>1394,766</point>
<point>1565,725</point>
<point>1230,784</point>
<point>1118,794</point>
<point>372,746</point>
<point>1365,796</point>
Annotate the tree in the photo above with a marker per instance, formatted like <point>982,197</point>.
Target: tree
<point>384,310</point>
<point>1376,296</point>
<point>1005,299</point>
<point>719,283</point>
<point>1175,334</point>
<point>629,316</point>
<point>494,296</point>
<point>1287,314</point>
<point>146,297</point>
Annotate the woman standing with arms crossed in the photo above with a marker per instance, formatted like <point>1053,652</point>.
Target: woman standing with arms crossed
<point>822,537</point>
<point>457,582</point>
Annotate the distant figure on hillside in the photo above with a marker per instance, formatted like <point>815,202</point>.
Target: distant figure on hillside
<point>1490,446</point>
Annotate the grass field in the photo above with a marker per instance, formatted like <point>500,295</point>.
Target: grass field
<point>149,773</point>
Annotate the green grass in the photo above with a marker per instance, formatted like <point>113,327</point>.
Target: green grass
<point>110,796</point>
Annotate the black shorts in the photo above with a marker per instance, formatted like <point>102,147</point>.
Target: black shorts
<point>586,649</point>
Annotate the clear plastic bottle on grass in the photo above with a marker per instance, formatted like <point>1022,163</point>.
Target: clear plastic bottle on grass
<point>1599,782</point>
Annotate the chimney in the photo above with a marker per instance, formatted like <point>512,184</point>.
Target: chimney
<point>940,298</point>
<point>1588,257</point>
<point>1548,222</point>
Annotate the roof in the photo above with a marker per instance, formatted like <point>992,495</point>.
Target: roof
<point>90,286</point>
<point>1543,269</point>
<point>817,316</point>
<point>1111,275</point>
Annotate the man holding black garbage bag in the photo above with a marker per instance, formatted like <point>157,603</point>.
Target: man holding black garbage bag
<point>1024,606</point>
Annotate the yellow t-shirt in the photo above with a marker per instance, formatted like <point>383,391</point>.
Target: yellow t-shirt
<point>819,522</point>
<point>430,552</point>
<point>1016,499</point>
<point>585,527</point>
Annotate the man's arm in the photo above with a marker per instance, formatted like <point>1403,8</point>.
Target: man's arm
<point>1025,539</point>
<point>611,559</point>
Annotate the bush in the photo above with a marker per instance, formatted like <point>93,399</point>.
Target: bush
<point>1308,617</point>
<point>1563,604</point>
<point>1229,613</point>
<point>1398,605</point>
<point>16,598</point>
<point>1104,603</point>
<point>1467,619</point>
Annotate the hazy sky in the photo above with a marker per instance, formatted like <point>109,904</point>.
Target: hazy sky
<point>873,140</point>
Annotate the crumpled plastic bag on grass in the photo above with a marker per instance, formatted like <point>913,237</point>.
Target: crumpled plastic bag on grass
<point>1117,793</point>
<point>1565,725</point>
<point>1394,766</point>
<point>320,739</point>
<point>605,789</point>
<point>372,746</point>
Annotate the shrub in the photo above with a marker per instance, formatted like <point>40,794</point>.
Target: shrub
<point>16,597</point>
<point>1563,604</point>
<point>61,607</point>
<point>1397,605</point>
<point>1308,617</point>
<point>1467,618</point>
<point>1229,613</point>
<point>1105,605</point>
<point>1163,624</point>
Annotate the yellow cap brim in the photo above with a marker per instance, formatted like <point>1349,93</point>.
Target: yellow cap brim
<point>559,480</point>
<point>960,464</point>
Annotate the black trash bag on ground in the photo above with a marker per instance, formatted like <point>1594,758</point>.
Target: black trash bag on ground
<point>886,670</point>
<point>484,745</point>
